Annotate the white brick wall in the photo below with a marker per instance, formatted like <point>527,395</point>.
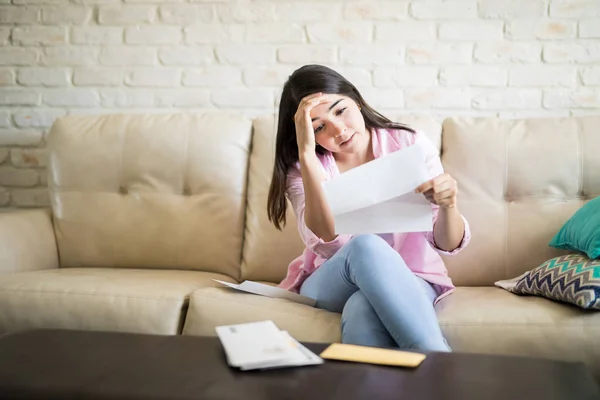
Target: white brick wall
<point>126,14</point>
<point>214,76</point>
<point>444,10</point>
<point>508,58</point>
<point>153,77</point>
<point>39,35</point>
<point>36,76</point>
<point>66,15</point>
<point>7,77</point>
<point>94,76</point>
<point>186,55</point>
<point>153,35</point>
<point>180,14</point>
<point>96,35</point>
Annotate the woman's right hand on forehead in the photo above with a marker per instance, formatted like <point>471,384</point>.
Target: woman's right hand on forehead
<point>305,134</point>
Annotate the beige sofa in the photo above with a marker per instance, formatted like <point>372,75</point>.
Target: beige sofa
<point>148,209</point>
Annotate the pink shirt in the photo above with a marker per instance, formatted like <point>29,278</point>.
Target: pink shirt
<point>418,249</point>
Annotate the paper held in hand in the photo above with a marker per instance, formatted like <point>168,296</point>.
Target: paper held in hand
<point>269,291</point>
<point>378,197</point>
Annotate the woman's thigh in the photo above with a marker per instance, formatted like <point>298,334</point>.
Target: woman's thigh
<point>328,285</point>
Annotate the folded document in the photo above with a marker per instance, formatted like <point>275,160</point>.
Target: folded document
<point>269,291</point>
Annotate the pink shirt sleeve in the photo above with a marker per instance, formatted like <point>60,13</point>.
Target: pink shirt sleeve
<point>435,168</point>
<point>295,193</point>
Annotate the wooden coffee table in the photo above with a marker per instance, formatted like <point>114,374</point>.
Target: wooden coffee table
<point>93,365</point>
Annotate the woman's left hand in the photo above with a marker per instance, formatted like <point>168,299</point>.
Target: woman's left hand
<point>441,190</point>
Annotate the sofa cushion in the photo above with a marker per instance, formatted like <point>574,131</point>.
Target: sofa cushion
<point>103,299</point>
<point>492,320</point>
<point>582,231</point>
<point>211,307</point>
<point>573,279</point>
<point>150,191</point>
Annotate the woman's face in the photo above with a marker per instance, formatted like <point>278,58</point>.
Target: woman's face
<point>339,125</point>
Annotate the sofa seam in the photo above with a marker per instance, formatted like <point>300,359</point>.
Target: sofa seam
<point>184,179</point>
<point>523,325</point>
<point>246,200</point>
<point>94,295</point>
<point>581,161</point>
<point>505,190</point>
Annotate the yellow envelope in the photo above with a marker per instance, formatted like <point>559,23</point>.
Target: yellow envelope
<point>372,355</point>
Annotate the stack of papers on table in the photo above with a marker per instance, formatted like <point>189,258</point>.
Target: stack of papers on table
<point>262,345</point>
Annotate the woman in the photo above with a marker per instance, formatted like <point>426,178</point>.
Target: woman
<point>384,285</point>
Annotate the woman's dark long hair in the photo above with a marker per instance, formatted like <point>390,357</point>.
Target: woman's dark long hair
<point>304,81</point>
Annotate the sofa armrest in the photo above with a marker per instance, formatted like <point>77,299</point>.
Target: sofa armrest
<point>27,241</point>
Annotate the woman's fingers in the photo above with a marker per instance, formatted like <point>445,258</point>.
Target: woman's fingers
<point>308,103</point>
<point>312,100</point>
<point>315,102</point>
<point>445,194</point>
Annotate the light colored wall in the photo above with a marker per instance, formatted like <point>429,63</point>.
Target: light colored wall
<point>510,58</point>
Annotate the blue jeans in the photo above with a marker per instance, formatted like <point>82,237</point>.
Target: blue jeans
<point>383,303</point>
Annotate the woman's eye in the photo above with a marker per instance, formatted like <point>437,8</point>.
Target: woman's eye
<point>340,111</point>
<point>318,128</point>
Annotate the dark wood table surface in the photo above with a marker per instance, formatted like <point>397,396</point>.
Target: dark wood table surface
<point>62,364</point>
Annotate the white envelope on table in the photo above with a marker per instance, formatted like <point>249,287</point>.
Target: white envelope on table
<point>378,197</point>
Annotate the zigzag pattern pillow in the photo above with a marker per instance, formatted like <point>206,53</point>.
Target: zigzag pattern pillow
<point>573,278</point>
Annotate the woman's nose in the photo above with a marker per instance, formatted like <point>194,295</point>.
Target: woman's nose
<point>339,130</point>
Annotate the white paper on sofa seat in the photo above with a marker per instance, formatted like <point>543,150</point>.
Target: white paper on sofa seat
<point>269,291</point>
<point>378,197</point>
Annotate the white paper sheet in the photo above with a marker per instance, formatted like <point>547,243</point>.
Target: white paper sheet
<point>269,291</point>
<point>378,197</point>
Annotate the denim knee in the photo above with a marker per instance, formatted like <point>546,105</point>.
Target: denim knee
<point>370,248</point>
<point>366,243</point>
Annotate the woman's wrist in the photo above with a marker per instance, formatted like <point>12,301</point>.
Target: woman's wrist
<point>307,156</point>
<point>449,228</point>
<point>450,214</point>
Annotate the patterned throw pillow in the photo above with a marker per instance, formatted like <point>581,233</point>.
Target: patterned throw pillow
<point>573,278</point>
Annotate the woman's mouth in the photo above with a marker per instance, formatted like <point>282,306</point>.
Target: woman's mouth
<point>347,141</point>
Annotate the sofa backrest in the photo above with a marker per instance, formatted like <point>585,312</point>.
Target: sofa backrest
<point>519,182</point>
<point>189,191</point>
<point>150,191</point>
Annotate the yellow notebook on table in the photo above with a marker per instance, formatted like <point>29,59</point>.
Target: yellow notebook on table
<point>372,355</point>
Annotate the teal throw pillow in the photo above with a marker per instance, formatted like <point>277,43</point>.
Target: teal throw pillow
<point>582,231</point>
<point>573,279</point>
